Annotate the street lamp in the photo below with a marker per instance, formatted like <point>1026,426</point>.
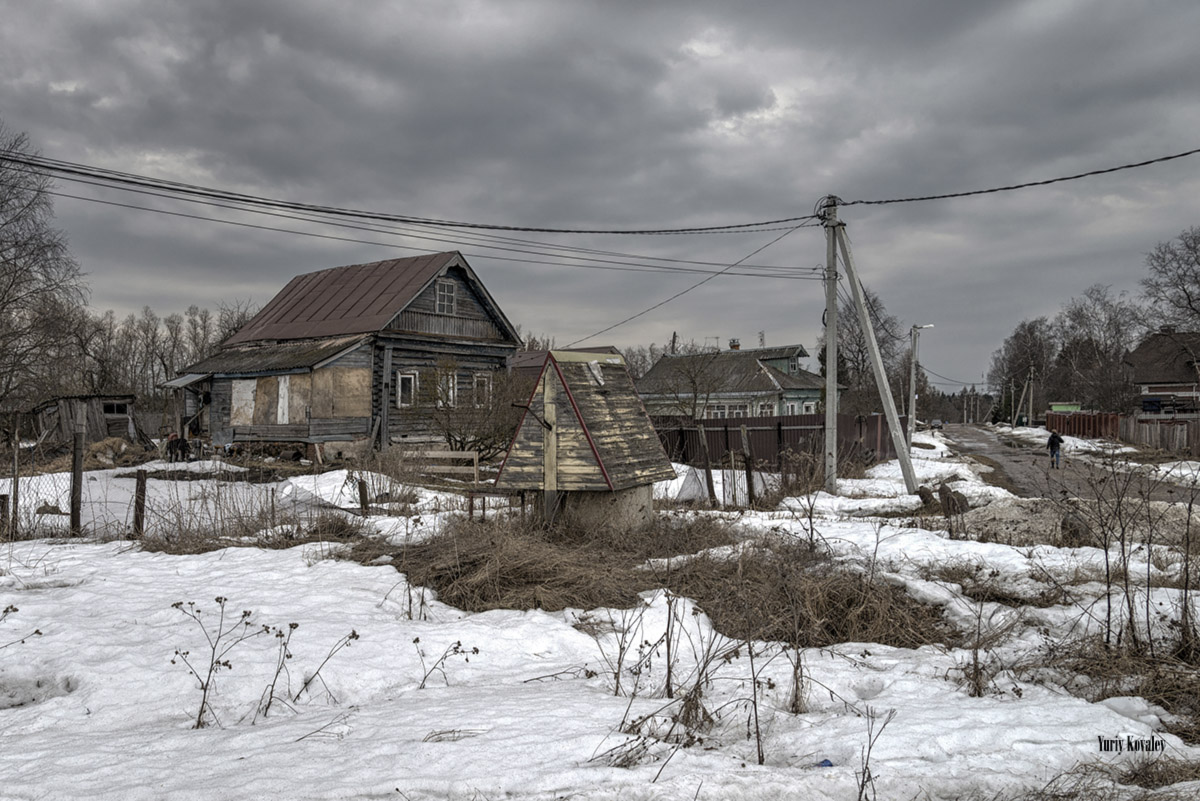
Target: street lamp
<point>912,382</point>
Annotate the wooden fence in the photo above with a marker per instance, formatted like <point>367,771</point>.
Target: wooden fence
<point>1173,436</point>
<point>1093,425</point>
<point>862,437</point>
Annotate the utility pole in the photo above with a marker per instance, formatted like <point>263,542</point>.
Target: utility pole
<point>1031,396</point>
<point>830,221</point>
<point>881,381</point>
<point>915,333</point>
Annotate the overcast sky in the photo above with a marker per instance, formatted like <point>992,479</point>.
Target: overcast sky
<point>629,114</point>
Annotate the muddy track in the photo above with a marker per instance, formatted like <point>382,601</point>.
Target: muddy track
<point>1024,469</point>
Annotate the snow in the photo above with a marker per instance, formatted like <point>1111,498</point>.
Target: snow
<point>432,702</point>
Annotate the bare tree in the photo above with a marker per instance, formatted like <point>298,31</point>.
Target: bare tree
<point>1095,331</point>
<point>1173,283</point>
<point>40,284</point>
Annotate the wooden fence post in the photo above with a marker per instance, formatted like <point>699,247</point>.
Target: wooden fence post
<point>748,457</point>
<point>139,505</point>
<point>80,424</point>
<point>4,517</point>
<point>708,479</point>
<point>363,506</point>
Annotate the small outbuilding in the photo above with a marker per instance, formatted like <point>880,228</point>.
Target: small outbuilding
<point>102,416</point>
<point>586,445</point>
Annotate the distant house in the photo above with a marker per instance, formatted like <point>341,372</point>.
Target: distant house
<point>363,352</point>
<point>756,382</point>
<point>1165,370</point>
<point>585,444</point>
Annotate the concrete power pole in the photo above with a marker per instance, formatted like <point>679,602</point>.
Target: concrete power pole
<point>881,382</point>
<point>912,381</point>
<point>830,221</point>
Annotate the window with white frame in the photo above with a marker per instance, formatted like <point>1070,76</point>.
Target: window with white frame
<point>766,409</point>
<point>789,408</point>
<point>445,297</point>
<point>739,410</point>
<point>447,390</point>
<point>715,412</point>
<point>481,389</point>
<point>406,389</point>
<point>810,407</point>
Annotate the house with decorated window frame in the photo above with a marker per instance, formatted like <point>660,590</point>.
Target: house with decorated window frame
<point>718,384</point>
<point>361,353</point>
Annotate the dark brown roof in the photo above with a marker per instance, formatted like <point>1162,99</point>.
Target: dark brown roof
<point>1166,357</point>
<point>274,357</point>
<point>357,299</point>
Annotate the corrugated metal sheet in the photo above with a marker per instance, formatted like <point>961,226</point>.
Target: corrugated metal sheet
<point>260,358</point>
<point>356,299</point>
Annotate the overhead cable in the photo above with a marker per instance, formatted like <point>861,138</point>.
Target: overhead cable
<point>119,179</point>
<point>1027,185</point>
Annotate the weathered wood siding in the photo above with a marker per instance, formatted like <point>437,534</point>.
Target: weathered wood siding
<point>620,429</point>
<point>426,357</point>
<point>470,319</point>
<point>594,416</point>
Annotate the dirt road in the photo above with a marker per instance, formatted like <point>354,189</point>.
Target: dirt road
<point>1024,469</point>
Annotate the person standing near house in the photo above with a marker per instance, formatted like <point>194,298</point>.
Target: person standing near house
<point>1054,445</point>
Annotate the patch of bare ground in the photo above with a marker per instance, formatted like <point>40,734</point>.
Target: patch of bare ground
<point>995,475</point>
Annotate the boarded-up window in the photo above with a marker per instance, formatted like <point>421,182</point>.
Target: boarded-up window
<point>241,404</point>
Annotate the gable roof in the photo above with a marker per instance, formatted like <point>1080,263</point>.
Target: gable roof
<point>355,299</point>
<point>605,438</point>
<point>728,371</point>
<point>1166,357</point>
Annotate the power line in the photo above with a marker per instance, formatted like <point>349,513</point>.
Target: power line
<point>947,378</point>
<point>649,268</point>
<point>122,179</point>
<point>662,303</point>
<point>1011,187</point>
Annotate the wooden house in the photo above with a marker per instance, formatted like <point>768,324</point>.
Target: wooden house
<point>586,445</point>
<point>1165,371</point>
<point>368,352</point>
<point>717,384</point>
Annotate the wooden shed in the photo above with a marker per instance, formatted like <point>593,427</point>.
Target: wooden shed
<point>586,445</point>
<point>103,416</point>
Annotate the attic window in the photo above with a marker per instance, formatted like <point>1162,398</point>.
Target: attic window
<point>116,408</point>
<point>445,297</point>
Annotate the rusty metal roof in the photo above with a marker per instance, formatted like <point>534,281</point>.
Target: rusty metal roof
<point>356,299</point>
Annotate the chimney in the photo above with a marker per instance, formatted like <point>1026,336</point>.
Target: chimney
<point>735,344</point>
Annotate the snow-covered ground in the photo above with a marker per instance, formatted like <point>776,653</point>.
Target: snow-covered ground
<point>431,702</point>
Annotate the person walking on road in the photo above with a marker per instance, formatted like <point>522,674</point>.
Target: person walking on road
<point>1054,445</point>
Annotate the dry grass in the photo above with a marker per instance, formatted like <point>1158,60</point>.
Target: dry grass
<point>505,563</point>
<point>1090,670</point>
<point>784,591</point>
<point>981,584</point>
<point>1163,771</point>
<point>779,590</point>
